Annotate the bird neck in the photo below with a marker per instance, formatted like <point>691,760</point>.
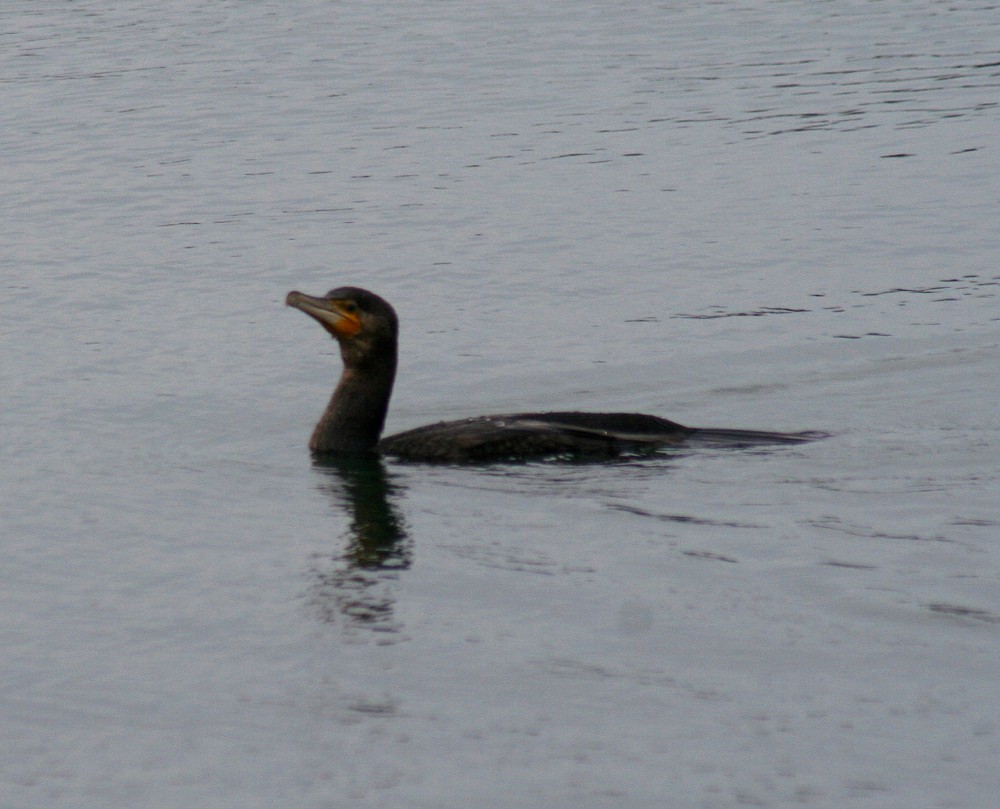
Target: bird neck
<point>354,419</point>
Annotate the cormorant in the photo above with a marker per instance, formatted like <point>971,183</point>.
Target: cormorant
<point>366,327</point>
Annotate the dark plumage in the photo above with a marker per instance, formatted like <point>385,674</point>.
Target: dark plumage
<point>366,327</point>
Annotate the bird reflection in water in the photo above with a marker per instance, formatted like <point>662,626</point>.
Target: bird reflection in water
<point>356,586</point>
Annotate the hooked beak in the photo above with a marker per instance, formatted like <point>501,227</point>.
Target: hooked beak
<point>331,313</point>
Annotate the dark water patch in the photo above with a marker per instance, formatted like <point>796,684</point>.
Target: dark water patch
<point>386,707</point>
<point>718,557</point>
<point>972,286</point>
<point>720,312</point>
<point>838,525</point>
<point>898,290</point>
<point>685,519</point>
<point>964,286</point>
<point>972,613</point>
<point>849,565</point>
<point>979,522</point>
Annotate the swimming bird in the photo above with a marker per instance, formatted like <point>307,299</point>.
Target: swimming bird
<point>366,328</point>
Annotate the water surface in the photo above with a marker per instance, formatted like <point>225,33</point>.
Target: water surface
<point>776,216</point>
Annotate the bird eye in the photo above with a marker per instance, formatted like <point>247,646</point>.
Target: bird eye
<point>350,306</point>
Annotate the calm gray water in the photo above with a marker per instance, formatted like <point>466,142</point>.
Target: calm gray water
<point>774,215</point>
